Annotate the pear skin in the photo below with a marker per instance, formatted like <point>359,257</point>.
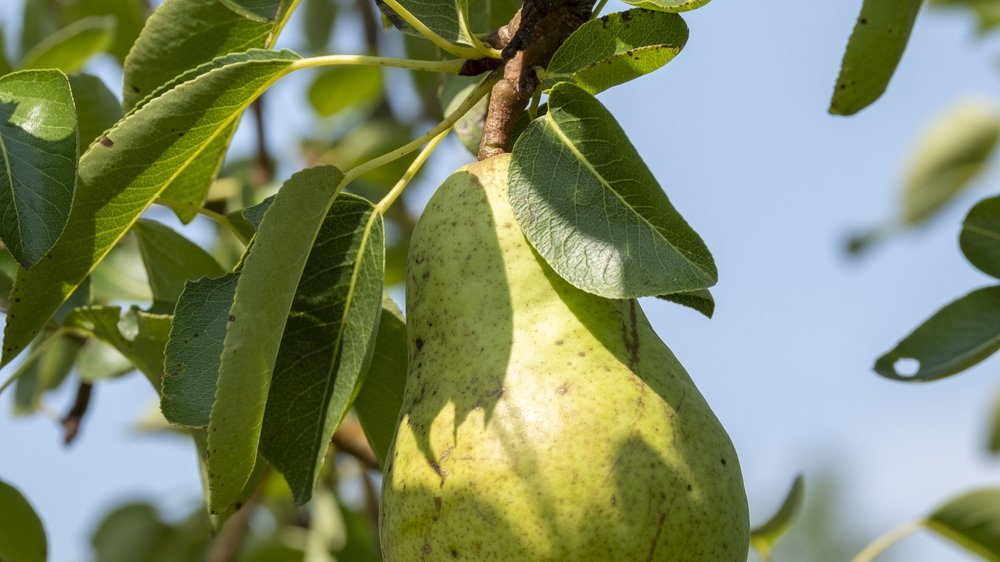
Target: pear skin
<point>540,422</point>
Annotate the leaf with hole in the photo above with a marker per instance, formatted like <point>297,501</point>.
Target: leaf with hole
<point>264,297</point>
<point>764,537</point>
<point>131,166</point>
<point>194,351</point>
<point>171,260</point>
<point>23,536</point>
<point>955,338</point>
<point>971,521</point>
<point>951,155</point>
<point>616,48</point>
<point>873,52</point>
<point>980,236</point>
<point>38,149</point>
<point>589,205</point>
<point>326,342</point>
<point>71,47</point>
<point>381,396</point>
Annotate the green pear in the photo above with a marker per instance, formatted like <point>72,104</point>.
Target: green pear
<point>540,422</point>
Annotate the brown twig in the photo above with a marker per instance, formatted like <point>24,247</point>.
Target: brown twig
<point>230,539</point>
<point>263,169</point>
<point>350,439</point>
<point>72,420</point>
<point>527,42</point>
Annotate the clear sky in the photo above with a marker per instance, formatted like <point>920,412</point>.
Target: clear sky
<point>736,130</point>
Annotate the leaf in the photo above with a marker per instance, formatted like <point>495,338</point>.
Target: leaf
<point>140,337</point>
<point>23,536</point>
<point>873,52</point>
<point>194,351</point>
<point>469,127</point>
<point>442,17</point>
<point>381,396</point>
<point>45,369</point>
<point>668,5</point>
<point>764,537</point>
<point>256,10</point>
<point>71,47</point>
<point>320,17</point>
<point>38,22</point>
<point>5,66</point>
<point>701,301</point>
<point>987,11</point>
<point>951,155</point>
<point>264,298</point>
<point>971,521</point>
<point>589,205</point>
<point>170,261</point>
<point>326,343</point>
<point>97,109</point>
<point>616,48</point>
<point>129,17</point>
<point>980,236</point>
<point>100,361</point>
<point>341,87</point>
<point>125,172</point>
<point>955,338</point>
<point>38,148</point>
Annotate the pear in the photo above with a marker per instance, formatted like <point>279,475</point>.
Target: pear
<point>540,422</point>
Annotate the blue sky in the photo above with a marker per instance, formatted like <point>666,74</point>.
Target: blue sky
<point>736,130</point>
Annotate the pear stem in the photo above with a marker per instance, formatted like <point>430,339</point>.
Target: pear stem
<point>881,544</point>
<point>449,66</point>
<point>442,127</point>
<point>418,163</point>
<point>444,44</point>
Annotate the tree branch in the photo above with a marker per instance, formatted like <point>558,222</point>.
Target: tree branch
<point>71,421</point>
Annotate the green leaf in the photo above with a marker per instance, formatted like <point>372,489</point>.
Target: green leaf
<point>140,337</point>
<point>121,276</point>
<point>971,521</point>
<point>46,367</point>
<point>38,148</point>
<point>442,17</point>
<point>617,48</point>
<point>38,22</point>
<point>101,361</point>
<point>256,10</point>
<point>340,87</point>
<point>170,261</point>
<point>264,297</point>
<point>131,533</point>
<point>326,343</point>
<point>873,52</point>
<point>125,172</point>
<point>668,5</point>
<point>97,109</point>
<point>194,351</point>
<point>5,66</point>
<point>955,338</point>
<point>764,537</point>
<point>589,205</point>
<point>381,396</point>
<point>320,17</point>
<point>71,47</point>
<point>987,11</point>
<point>951,155</point>
<point>469,128</point>
<point>980,236</point>
<point>23,536</point>
<point>129,17</point>
<point>701,301</point>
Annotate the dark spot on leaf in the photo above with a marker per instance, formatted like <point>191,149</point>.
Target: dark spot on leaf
<point>419,343</point>
<point>723,461</point>
<point>232,318</point>
<point>135,89</point>
<point>582,354</point>
<point>863,21</point>
<point>689,487</point>
<point>426,549</point>
<point>614,499</point>
<point>238,505</point>
<point>437,503</point>
<point>106,142</point>
<point>559,342</point>
<point>454,553</point>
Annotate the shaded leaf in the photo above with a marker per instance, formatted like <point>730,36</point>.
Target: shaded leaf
<point>194,351</point>
<point>980,236</point>
<point>171,260</point>
<point>986,11</point>
<point>668,5</point>
<point>121,276</point>
<point>469,128</point>
<point>38,148</point>
<point>873,52</point>
<point>100,361</point>
<point>257,10</point>
<point>955,338</point>
<point>340,87</point>
<point>23,536</point>
<point>764,537</point>
<point>45,368</point>
<point>174,127</point>
<point>326,342</point>
<point>129,17</point>
<point>71,47</point>
<point>264,297</point>
<point>971,521</point>
<point>97,109</point>
<point>140,337</point>
<point>38,22</point>
<point>701,300</point>
<point>320,16</point>
<point>589,205</point>
<point>616,48</point>
<point>381,396</point>
<point>131,533</point>
<point>951,155</point>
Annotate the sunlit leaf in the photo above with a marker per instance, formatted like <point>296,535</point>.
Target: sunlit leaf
<point>873,52</point>
<point>71,47</point>
<point>971,521</point>
<point>23,536</point>
<point>668,5</point>
<point>38,148</point>
<point>764,537</point>
<point>589,205</point>
<point>616,48</point>
<point>955,338</point>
